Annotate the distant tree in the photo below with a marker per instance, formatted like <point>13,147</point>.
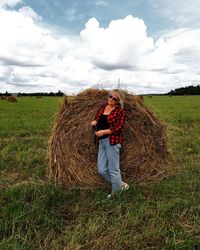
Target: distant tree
<point>189,90</point>
<point>60,93</point>
<point>51,94</point>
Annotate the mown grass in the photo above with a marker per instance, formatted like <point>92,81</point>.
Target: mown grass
<point>35,214</point>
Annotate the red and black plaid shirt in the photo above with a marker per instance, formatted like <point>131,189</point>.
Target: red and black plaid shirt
<point>116,120</point>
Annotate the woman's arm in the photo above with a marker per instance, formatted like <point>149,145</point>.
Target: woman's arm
<point>94,123</point>
<point>119,123</point>
<point>103,132</point>
<point>98,114</point>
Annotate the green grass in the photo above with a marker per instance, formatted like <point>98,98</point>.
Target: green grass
<point>35,214</point>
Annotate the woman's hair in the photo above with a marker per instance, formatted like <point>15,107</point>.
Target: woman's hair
<point>120,96</point>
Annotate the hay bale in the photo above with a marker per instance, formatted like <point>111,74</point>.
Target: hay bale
<point>72,156</point>
<point>139,98</point>
<point>12,98</point>
<point>3,97</point>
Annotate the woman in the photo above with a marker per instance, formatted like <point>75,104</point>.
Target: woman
<point>109,122</point>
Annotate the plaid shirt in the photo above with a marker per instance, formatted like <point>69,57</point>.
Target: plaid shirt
<point>116,120</point>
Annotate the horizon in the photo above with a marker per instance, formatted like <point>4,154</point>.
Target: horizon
<point>73,94</point>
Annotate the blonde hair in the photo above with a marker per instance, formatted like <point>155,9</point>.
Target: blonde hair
<point>120,96</point>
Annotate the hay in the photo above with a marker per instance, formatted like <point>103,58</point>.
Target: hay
<point>12,99</point>
<point>3,97</point>
<point>139,98</point>
<point>71,155</point>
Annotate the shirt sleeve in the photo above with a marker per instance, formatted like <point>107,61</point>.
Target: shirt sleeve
<point>119,123</point>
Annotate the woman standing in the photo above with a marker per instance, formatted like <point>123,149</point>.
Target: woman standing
<point>109,122</point>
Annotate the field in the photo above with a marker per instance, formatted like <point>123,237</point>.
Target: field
<point>35,214</point>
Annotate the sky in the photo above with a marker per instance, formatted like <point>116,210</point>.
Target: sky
<point>143,46</point>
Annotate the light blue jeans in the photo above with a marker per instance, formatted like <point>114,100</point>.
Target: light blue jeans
<point>108,162</point>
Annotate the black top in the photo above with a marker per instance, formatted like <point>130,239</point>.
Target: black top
<point>102,124</point>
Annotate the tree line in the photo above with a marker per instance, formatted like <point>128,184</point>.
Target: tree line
<point>59,93</point>
<point>189,90</point>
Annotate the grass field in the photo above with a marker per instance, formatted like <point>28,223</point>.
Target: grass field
<point>34,214</point>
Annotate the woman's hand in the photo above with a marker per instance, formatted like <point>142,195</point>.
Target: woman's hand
<point>103,132</point>
<point>94,123</point>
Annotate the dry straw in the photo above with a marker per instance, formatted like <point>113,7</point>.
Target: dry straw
<point>71,155</point>
<point>3,97</point>
<point>12,99</point>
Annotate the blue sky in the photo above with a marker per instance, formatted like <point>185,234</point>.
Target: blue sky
<point>71,15</point>
<point>153,46</point>
<point>74,14</point>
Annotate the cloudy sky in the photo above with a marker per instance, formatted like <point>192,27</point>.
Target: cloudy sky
<point>152,46</point>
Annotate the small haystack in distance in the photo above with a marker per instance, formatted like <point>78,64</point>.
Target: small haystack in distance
<point>3,97</point>
<point>12,98</point>
<point>72,154</point>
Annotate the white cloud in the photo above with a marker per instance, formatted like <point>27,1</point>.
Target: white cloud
<point>9,3</point>
<point>182,12</point>
<point>121,45</point>
<point>29,12</point>
<point>32,58</point>
<point>102,3</point>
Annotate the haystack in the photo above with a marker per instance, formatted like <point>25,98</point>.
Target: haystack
<point>72,154</point>
<point>3,97</point>
<point>139,98</point>
<point>12,98</point>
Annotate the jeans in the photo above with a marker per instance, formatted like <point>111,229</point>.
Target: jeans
<point>108,162</point>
